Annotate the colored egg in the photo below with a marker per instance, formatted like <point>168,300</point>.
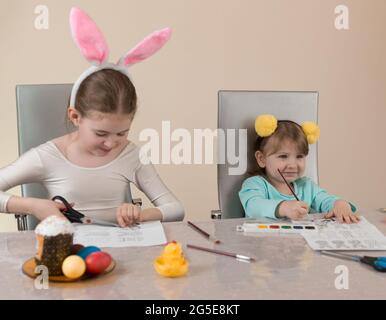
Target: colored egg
<point>83,253</point>
<point>73,267</point>
<point>97,262</point>
<point>76,248</point>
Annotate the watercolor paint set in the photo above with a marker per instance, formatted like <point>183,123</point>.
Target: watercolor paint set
<point>280,227</point>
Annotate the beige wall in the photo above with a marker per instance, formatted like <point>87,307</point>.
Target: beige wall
<point>222,44</point>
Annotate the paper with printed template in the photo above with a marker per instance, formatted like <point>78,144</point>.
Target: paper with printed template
<point>359,236</point>
<point>322,234</point>
<point>149,233</point>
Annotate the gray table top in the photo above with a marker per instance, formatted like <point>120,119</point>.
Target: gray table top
<point>286,268</point>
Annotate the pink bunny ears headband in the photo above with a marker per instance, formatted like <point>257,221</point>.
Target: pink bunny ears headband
<point>93,47</point>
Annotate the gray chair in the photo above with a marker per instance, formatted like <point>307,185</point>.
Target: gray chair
<point>238,110</point>
<point>41,112</point>
<point>41,116</point>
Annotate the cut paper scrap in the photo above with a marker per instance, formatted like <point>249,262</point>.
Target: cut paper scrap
<point>145,234</point>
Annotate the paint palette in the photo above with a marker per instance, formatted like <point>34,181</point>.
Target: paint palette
<point>286,227</point>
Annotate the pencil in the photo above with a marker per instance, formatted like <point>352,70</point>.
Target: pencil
<point>224,253</point>
<point>207,235</point>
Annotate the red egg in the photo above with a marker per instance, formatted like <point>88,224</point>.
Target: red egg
<point>76,248</point>
<point>97,262</point>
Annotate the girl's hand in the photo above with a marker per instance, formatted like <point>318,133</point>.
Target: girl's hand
<point>293,209</point>
<point>42,208</point>
<point>342,211</point>
<point>128,214</point>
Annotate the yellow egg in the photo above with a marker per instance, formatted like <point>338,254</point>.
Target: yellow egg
<point>73,267</point>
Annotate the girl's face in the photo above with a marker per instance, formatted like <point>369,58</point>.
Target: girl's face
<point>101,133</point>
<point>287,159</point>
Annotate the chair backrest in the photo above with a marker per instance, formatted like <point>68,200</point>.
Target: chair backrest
<point>238,110</point>
<point>41,114</point>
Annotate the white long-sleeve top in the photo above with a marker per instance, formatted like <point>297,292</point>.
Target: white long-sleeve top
<point>96,192</point>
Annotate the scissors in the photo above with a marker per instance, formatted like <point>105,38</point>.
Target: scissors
<point>378,263</point>
<point>75,216</point>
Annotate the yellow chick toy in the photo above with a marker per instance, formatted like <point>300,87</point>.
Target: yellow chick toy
<point>171,263</point>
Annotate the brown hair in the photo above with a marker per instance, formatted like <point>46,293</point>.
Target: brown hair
<point>107,91</point>
<point>286,130</point>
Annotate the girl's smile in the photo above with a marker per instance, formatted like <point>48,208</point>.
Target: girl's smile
<point>287,159</point>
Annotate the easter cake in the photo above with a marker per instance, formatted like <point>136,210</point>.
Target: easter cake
<point>54,236</point>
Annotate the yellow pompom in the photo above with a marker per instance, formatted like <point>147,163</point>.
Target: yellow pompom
<point>312,131</point>
<point>265,125</point>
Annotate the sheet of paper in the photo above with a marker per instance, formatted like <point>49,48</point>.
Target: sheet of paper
<point>332,235</point>
<point>145,234</point>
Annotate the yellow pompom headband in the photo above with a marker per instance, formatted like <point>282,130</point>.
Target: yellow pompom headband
<point>266,124</point>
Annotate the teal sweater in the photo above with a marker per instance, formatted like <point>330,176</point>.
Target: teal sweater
<point>260,199</point>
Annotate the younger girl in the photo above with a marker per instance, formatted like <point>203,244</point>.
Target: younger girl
<point>93,166</point>
<point>283,145</point>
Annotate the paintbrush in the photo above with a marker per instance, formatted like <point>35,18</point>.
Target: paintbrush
<point>204,233</point>
<point>224,253</point>
<point>289,187</point>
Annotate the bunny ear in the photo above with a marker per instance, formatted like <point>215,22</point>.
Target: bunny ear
<point>88,37</point>
<point>147,47</point>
